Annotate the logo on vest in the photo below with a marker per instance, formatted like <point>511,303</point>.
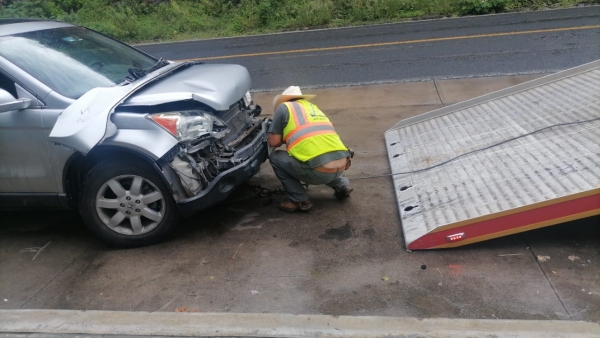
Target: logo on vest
<point>316,114</point>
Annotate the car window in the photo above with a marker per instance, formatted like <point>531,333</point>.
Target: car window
<point>72,60</point>
<point>8,84</point>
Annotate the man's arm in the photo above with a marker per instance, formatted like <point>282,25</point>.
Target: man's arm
<point>275,140</point>
<point>280,120</point>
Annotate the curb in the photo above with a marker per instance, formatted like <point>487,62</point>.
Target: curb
<point>277,325</point>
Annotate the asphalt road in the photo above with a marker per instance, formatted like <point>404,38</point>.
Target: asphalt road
<point>507,44</point>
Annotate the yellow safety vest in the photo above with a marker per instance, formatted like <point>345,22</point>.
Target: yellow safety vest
<point>308,132</point>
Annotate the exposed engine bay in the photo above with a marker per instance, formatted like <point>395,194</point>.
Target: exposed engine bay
<point>198,162</point>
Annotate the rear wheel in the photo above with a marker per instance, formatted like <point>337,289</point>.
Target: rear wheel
<point>127,204</point>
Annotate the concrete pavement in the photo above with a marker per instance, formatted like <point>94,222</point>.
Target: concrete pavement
<point>339,259</point>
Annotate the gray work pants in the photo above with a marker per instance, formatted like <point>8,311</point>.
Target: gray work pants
<point>291,172</point>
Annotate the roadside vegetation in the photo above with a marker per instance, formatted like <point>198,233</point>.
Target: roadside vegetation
<point>163,20</point>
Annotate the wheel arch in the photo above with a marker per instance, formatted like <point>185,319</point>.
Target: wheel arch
<point>78,165</point>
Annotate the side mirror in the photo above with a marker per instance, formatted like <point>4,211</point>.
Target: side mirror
<point>9,103</point>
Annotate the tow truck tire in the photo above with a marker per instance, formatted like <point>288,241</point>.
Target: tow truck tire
<point>127,204</point>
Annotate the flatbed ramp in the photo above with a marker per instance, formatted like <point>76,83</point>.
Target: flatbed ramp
<point>518,159</point>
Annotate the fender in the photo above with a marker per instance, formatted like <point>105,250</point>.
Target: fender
<point>78,161</point>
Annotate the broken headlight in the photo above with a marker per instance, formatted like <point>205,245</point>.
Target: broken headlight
<point>188,125</point>
<point>247,99</point>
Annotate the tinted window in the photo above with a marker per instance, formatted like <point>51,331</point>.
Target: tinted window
<point>72,60</point>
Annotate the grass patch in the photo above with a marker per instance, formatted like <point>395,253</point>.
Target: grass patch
<point>169,20</point>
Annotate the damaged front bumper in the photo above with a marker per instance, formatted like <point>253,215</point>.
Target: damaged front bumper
<point>249,159</point>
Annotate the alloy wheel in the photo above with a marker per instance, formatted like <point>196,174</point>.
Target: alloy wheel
<point>130,205</point>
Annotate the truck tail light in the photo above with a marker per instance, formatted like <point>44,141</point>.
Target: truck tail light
<point>456,237</point>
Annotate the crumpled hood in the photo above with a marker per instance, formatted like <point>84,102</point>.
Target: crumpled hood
<point>218,86</point>
<point>86,122</point>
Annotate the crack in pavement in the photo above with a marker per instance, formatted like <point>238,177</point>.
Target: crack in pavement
<point>548,279</point>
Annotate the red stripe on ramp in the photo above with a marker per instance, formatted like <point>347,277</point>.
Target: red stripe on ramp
<point>508,222</point>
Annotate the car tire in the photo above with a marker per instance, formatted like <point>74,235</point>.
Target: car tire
<point>127,204</point>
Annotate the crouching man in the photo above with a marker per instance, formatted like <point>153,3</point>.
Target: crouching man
<point>315,154</point>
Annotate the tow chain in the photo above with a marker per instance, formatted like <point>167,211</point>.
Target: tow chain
<point>258,191</point>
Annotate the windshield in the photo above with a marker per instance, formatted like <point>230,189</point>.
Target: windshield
<point>73,60</point>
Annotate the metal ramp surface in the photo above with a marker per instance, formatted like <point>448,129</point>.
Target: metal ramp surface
<point>514,160</point>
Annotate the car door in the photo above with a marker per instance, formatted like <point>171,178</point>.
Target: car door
<point>26,173</point>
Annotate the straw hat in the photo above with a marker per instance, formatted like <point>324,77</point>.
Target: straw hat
<point>292,92</point>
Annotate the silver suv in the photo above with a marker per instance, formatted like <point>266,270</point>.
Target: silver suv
<point>131,141</point>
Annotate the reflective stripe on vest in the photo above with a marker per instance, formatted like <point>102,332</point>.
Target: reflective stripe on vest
<point>298,113</point>
<point>308,132</point>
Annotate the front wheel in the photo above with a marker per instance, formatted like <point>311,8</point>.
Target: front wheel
<point>127,204</point>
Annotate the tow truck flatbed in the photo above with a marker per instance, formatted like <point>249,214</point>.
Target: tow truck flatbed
<point>518,159</point>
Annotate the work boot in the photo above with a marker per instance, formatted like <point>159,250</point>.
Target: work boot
<point>291,206</point>
<point>341,194</point>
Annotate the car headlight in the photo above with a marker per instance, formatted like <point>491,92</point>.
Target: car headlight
<point>188,125</point>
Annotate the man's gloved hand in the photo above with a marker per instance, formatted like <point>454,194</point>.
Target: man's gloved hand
<point>351,152</point>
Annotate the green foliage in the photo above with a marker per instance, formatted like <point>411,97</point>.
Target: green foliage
<point>167,20</point>
<point>477,7</point>
<point>541,4</point>
<point>69,6</point>
<point>31,9</point>
<point>155,20</point>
